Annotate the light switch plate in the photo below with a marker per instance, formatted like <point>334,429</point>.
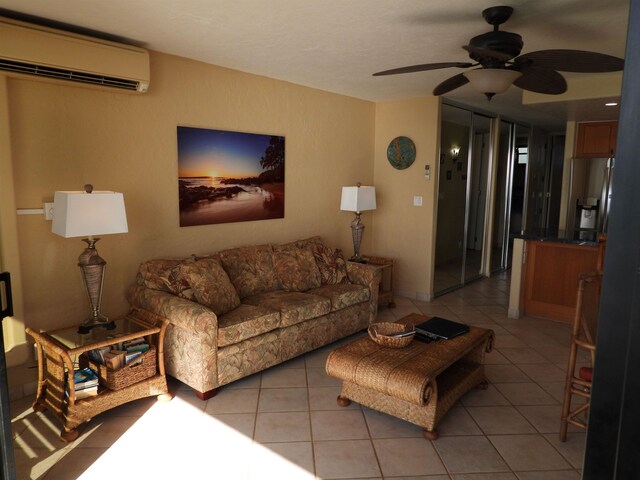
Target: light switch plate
<point>417,200</point>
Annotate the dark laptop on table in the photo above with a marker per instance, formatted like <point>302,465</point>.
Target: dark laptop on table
<point>437,328</point>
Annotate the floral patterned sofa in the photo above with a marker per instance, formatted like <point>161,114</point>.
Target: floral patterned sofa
<point>239,311</point>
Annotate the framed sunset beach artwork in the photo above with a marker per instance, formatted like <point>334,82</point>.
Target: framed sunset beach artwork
<point>226,177</point>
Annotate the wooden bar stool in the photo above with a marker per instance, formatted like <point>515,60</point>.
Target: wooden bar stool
<point>583,338</point>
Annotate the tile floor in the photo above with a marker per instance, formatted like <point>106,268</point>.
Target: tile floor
<point>284,423</point>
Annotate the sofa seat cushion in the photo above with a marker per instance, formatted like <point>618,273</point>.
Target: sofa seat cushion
<point>342,296</point>
<point>296,268</point>
<point>245,322</point>
<point>294,307</point>
<point>210,285</point>
<point>250,269</point>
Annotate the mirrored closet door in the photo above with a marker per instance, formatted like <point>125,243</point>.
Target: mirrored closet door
<point>463,181</point>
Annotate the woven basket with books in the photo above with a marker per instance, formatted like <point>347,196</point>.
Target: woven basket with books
<point>141,368</point>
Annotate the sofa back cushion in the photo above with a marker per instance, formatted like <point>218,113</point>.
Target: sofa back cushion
<point>333,268</point>
<point>164,275</point>
<point>309,242</point>
<point>296,268</point>
<point>210,285</point>
<point>250,269</point>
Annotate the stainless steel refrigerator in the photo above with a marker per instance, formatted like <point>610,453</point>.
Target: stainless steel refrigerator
<point>589,197</point>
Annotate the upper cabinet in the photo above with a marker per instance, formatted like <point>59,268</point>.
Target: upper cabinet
<point>596,139</point>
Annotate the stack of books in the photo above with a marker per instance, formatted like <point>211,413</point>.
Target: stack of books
<point>119,355</point>
<point>85,382</point>
<point>134,349</point>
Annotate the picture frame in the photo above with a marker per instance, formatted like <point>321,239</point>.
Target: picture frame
<point>226,176</point>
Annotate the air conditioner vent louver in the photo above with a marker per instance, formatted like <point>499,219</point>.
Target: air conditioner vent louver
<point>80,77</point>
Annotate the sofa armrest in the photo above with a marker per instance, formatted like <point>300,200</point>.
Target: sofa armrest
<point>180,312</point>
<point>370,277</point>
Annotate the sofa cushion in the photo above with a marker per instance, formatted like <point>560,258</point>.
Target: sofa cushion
<point>343,296</point>
<point>165,275</point>
<point>296,268</point>
<point>244,322</point>
<point>294,307</point>
<point>250,269</point>
<point>210,285</point>
<point>309,242</point>
<point>154,274</point>
<point>333,268</point>
<point>215,256</point>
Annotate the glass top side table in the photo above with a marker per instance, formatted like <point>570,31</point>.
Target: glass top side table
<point>59,350</point>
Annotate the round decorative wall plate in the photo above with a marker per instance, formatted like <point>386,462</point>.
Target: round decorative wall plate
<point>401,152</point>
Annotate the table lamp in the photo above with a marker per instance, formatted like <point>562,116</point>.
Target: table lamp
<point>357,199</point>
<point>89,213</point>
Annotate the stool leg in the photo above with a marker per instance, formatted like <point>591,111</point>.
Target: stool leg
<point>343,401</point>
<point>483,385</point>
<point>430,434</point>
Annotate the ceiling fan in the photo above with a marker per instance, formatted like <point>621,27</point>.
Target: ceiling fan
<point>497,54</point>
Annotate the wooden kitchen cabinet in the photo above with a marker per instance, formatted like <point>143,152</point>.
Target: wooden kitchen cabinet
<point>596,139</point>
<point>552,271</point>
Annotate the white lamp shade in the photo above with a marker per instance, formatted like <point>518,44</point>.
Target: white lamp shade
<point>358,199</point>
<point>491,80</point>
<point>80,214</point>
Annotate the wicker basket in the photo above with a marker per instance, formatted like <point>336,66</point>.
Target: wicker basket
<point>141,368</point>
<point>383,334</point>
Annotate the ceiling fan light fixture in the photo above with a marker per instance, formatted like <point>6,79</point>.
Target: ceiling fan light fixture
<point>491,81</point>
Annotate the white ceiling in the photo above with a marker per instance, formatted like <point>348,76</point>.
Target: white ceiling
<point>336,45</point>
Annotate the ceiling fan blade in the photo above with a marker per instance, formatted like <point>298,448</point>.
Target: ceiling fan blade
<point>573,61</point>
<point>424,67</point>
<point>450,84</point>
<point>541,80</point>
<point>481,52</point>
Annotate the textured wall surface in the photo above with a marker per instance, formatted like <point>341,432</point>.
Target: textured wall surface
<point>64,136</point>
<point>401,230</point>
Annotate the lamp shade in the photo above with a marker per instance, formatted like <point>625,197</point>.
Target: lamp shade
<point>491,80</point>
<point>358,199</point>
<point>81,214</point>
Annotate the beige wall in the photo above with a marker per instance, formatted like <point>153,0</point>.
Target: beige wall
<point>12,328</point>
<point>64,136</point>
<point>402,231</point>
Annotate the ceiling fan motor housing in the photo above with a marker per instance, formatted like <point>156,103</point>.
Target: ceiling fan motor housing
<point>497,41</point>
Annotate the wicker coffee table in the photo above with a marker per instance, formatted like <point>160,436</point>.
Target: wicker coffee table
<point>418,383</point>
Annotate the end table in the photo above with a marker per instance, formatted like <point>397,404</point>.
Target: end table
<point>385,296</point>
<point>58,354</point>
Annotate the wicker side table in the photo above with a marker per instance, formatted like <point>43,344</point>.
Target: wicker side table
<point>58,353</point>
<point>418,383</point>
<point>385,296</point>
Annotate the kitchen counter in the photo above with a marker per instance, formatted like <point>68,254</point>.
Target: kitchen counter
<point>544,276</point>
<point>543,237</point>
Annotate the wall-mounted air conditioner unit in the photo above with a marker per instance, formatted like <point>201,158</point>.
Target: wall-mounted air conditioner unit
<point>41,52</point>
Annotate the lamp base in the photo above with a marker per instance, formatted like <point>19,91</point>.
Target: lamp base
<point>90,324</point>
<point>357,229</point>
<point>92,266</point>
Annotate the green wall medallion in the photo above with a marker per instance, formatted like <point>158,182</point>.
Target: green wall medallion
<point>401,152</point>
